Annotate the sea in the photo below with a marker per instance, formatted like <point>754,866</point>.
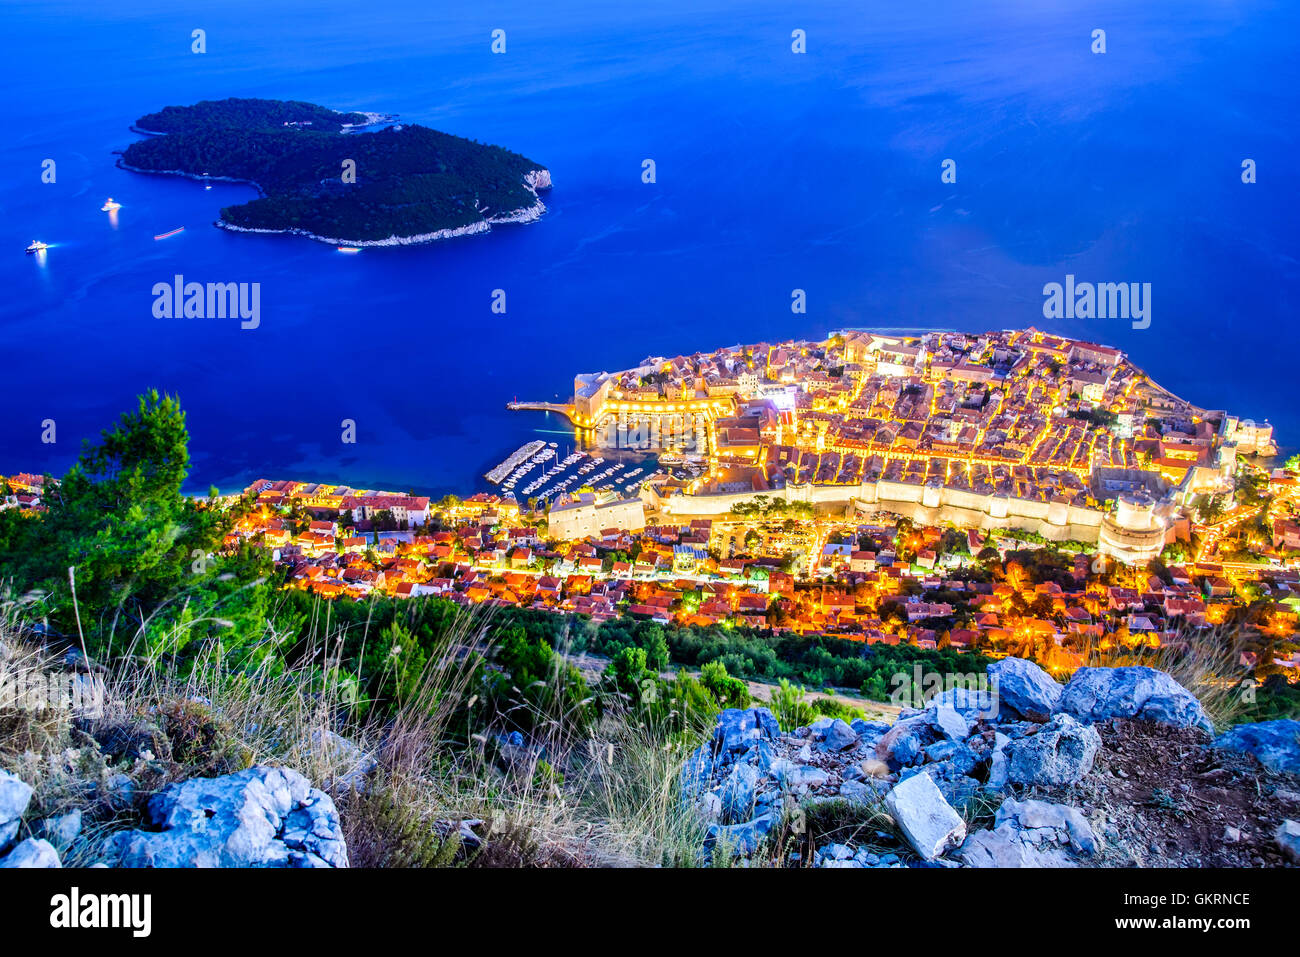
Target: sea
<point>794,147</point>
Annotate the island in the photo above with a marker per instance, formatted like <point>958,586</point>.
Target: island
<point>411,185</point>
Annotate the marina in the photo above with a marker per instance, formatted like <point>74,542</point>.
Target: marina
<point>519,455</point>
<point>536,473</point>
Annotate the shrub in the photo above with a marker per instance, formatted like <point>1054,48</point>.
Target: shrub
<point>790,707</point>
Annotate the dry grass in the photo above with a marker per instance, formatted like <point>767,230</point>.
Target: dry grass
<point>1205,661</point>
<point>583,793</point>
<point>24,725</point>
<point>629,793</point>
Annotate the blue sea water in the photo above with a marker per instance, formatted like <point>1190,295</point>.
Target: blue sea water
<point>775,171</point>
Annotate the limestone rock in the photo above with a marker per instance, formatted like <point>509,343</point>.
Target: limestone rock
<point>62,830</point>
<point>738,793</point>
<point>949,723</point>
<point>1003,847</point>
<point>903,744</point>
<point>1275,743</point>
<point>32,852</point>
<point>925,818</point>
<point>15,794</point>
<point>738,730</point>
<point>869,730</point>
<point>838,736</point>
<point>1042,822</point>
<point>261,817</point>
<point>1098,694</point>
<point>1024,689</point>
<point>973,704</point>
<point>739,840</point>
<point>697,771</point>
<point>1288,838</point>
<point>1061,753</point>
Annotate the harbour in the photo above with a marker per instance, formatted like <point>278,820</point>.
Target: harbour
<point>536,473</point>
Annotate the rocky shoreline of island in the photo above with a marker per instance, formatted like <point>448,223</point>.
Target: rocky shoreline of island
<point>534,180</point>
<point>185,174</point>
<point>527,214</point>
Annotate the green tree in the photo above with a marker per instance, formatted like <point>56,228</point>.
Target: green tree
<point>628,669</point>
<point>136,547</point>
<point>790,707</point>
<point>728,691</point>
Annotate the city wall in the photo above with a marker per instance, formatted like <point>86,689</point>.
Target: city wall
<point>926,504</point>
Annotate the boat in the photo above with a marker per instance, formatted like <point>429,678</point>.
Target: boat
<point>170,232</point>
<point>349,249</point>
<point>109,206</point>
<point>37,246</point>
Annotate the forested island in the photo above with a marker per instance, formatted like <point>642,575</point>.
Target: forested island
<point>320,177</point>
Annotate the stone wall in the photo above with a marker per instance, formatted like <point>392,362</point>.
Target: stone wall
<point>927,504</point>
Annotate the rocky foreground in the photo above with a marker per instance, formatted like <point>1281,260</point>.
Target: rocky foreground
<point>1117,768</point>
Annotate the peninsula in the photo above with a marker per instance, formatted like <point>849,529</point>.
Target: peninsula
<point>327,176</point>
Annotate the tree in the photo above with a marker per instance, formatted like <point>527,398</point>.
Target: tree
<point>729,692</point>
<point>628,669</point>
<point>789,706</point>
<point>119,521</point>
<point>1210,508</point>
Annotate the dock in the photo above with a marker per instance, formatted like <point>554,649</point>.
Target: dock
<point>564,409</point>
<point>521,454</point>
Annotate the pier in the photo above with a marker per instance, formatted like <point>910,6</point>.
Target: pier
<point>519,455</point>
<point>564,409</point>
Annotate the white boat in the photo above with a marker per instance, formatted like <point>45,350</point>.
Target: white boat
<point>37,246</point>
<point>109,206</point>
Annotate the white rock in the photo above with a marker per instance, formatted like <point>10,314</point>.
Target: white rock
<point>1288,838</point>
<point>15,794</point>
<point>62,830</point>
<point>926,819</point>
<point>953,725</point>
<point>32,852</point>
<point>1004,846</point>
<point>260,817</point>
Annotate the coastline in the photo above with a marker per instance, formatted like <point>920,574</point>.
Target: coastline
<point>534,180</point>
<point>198,178</point>
<point>372,119</point>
